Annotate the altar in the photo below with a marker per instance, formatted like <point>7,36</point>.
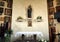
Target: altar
<point>28,36</point>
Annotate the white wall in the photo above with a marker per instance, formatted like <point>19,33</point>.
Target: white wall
<point>57,26</point>
<point>39,9</point>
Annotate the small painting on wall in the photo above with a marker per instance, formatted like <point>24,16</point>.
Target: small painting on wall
<point>1,11</point>
<point>9,3</point>
<point>29,23</point>
<point>7,19</point>
<point>51,10</point>
<point>1,18</point>
<point>50,4</point>
<point>8,12</point>
<point>1,3</point>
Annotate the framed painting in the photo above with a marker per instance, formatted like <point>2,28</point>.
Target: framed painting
<point>51,10</point>
<point>1,3</point>
<point>7,19</point>
<point>50,4</point>
<point>29,23</point>
<point>9,3</point>
<point>1,18</point>
<point>1,11</point>
<point>8,12</point>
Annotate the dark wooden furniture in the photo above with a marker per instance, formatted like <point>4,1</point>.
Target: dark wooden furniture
<point>51,11</point>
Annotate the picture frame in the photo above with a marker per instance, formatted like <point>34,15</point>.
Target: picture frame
<point>51,10</point>
<point>50,4</point>
<point>8,12</point>
<point>9,3</point>
<point>29,23</point>
<point>1,10</point>
<point>1,3</point>
<point>1,18</point>
<point>7,19</point>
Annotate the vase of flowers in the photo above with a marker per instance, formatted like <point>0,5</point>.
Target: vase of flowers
<point>8,35</point>
<point>39,19</point>
<point>19,19</point>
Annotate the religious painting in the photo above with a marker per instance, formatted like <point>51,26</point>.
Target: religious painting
<point>1,3</point>
<point>7,19</point>
<point>8,12</point>
<point>29,23</point>
<point>50,4</point>
<point>1,18</point>
<point>1,11</point>
<point>51,11</point>
<point>9,3</point>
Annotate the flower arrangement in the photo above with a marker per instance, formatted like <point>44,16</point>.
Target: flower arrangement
<point>19,19</point>
<point>8,35</point>
<point>39,18</point>
<point>44,41</point>
<point>9,31</point>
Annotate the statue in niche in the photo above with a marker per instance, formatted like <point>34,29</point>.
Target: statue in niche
<point>29,11</point>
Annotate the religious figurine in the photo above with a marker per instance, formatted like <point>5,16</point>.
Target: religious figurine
<point>29,11</point>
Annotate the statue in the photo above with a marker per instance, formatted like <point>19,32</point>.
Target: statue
<point>29,11</point>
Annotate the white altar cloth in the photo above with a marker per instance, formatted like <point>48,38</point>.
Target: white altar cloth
<point>27,34</point>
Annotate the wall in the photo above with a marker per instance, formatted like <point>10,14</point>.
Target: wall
<point>39,9</point>
<point>57,26</point>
